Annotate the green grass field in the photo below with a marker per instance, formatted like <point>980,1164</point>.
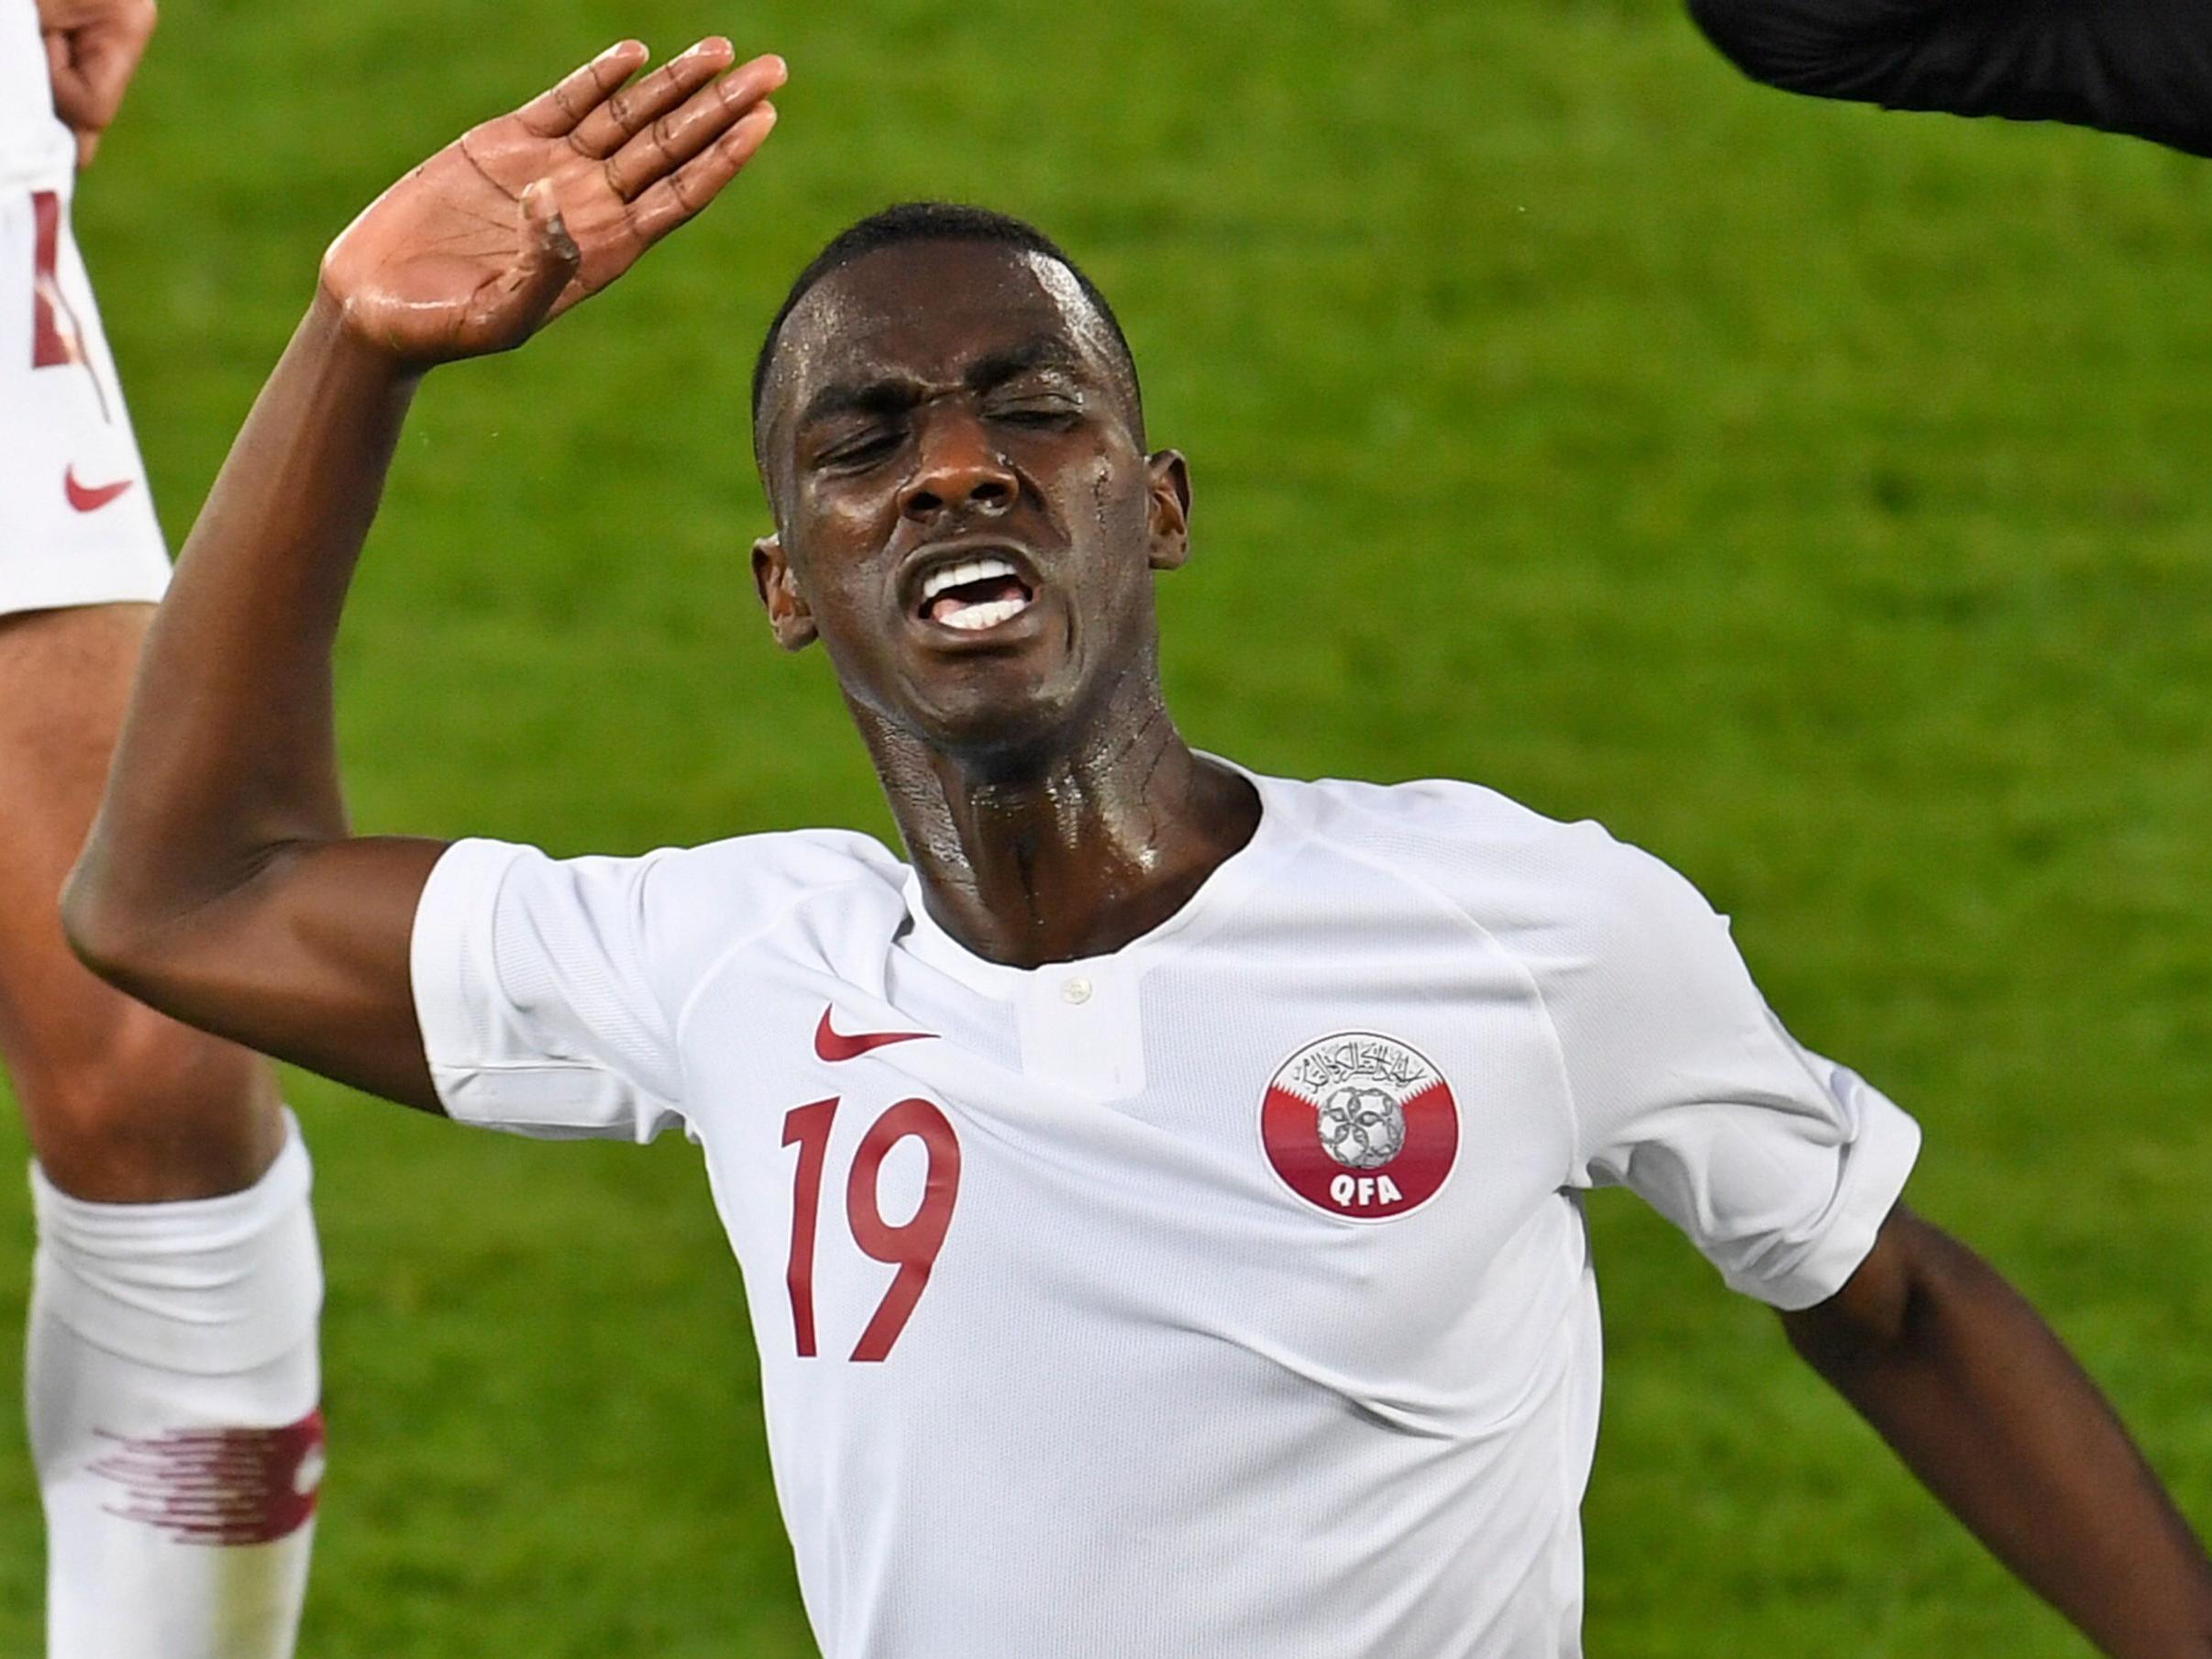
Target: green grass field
<point>1804,491</point>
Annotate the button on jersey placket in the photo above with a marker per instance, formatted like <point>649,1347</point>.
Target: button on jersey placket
<point>1081,1030</point>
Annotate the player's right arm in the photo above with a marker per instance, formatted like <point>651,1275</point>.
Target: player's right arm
<point>222,884</point>
<point>2142,67</point>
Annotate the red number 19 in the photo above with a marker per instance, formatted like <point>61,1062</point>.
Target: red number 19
<point>911,1245</point>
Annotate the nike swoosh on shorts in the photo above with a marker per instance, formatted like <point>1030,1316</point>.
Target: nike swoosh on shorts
<point>90,498</point>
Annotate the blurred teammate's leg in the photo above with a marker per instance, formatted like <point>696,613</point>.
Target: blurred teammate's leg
<point>170,1359</point>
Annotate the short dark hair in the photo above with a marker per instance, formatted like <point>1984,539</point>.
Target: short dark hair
<point>935,222</point>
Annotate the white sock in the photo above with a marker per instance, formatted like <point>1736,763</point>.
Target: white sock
<point>173,1377</point>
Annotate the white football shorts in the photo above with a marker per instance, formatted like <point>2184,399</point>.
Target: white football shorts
<point>77,523</point>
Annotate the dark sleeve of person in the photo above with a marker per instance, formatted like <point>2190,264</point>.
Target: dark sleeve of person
<point>2142,67</point>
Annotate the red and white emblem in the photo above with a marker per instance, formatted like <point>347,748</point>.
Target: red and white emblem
<point>1360,1125</point>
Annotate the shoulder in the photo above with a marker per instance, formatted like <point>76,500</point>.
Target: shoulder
<point>1476,840</point>
<point>698,900</point>
<point>672,911</point>
<point>1560,894</point>
<point>1423,805</point>
<point>785,863</point>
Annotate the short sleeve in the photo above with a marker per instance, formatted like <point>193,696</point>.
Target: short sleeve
<point>536,997</point>
<point>1778,1163</point>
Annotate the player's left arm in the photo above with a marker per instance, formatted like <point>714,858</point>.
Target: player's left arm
<point>92,48</point>
<point>1987,1407</point>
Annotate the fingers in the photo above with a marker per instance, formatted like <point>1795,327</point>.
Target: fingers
<point>110,57</point>
<point>71,95</point>
<point>607,128</point>
<point>549,261</point>
<point>104,81</point>
<point>76,105</point>
<point>674,139</point>
<point>683,192</point>
<point>559,110</point>
<point>91,60</point>
<point>74,100</point>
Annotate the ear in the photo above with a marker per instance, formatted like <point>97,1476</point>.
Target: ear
<point>1170,509</point>
<point>789,618</point>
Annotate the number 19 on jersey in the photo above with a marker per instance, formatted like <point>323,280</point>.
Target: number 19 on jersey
<point>911,1246</point>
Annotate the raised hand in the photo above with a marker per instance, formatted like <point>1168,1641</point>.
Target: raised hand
<point>519,218</point>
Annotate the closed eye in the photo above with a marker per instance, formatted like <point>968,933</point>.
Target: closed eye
<point>1041,414</point>
<point>859,452</point>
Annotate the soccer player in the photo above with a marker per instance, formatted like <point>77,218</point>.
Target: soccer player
<point>171,1348</point>
<point>1159,1196</point>
<point>2130,66</point>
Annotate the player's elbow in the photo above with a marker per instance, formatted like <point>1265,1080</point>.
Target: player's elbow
<point>1902,1306</point>
<point>112,937</point>
<point>91,924</point>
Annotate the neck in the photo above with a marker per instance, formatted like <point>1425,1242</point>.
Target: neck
<point>1069,853</point>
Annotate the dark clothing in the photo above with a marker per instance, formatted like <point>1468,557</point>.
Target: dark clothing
<point>2130,66</point>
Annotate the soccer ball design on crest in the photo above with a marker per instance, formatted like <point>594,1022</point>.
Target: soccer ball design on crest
<point>1361,1125</point>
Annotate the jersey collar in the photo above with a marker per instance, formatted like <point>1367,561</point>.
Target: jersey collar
<point>1217,898</point>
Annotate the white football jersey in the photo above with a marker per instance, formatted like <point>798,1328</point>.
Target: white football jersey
<point>1227,1297</point>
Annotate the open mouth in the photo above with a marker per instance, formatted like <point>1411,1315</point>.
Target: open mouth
<point>977,594</point>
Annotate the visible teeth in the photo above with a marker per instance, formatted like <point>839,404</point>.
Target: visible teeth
<point>973,617</point>
<point>953,576</point>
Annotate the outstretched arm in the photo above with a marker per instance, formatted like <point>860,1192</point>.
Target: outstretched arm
<point>1986,1405</point>
<point>221,883</point>
<point>2130,66</point>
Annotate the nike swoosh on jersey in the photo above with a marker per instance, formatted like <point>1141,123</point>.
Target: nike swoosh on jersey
<point>834,1045</point>
<point>90,498</point>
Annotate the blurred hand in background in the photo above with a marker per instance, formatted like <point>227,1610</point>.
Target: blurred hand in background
<point>92,48</point>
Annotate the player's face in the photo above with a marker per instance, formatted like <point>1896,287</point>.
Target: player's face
<point>966,515</point>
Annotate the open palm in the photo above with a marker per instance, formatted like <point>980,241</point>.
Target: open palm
<point>521,218</point>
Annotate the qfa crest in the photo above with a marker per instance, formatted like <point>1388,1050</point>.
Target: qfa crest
<point>1360,1125</point>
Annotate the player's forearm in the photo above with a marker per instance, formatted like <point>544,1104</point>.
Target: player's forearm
<point>1988,1407</point>
<point>229,752</point>
<point>2142,67</point>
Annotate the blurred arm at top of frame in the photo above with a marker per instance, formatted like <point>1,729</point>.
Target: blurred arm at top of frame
<point>2140,67</point>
